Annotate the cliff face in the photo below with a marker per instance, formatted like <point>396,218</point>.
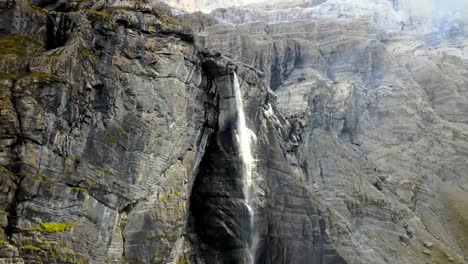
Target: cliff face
<point>115,145</point>
<point>378,126</point>
<point>118,141</point>
<point>98,132</point>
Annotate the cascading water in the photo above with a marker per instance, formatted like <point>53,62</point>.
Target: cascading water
<point>244,136</point>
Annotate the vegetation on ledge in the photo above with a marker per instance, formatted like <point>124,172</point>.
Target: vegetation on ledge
<point>111,140</point>
<point>142,7</point>
<point>6,76</point>
<point>85,52</point>
<point>33,248</point>
<point>100,14</point>
<point>79,189</point>
<point>17,45</point>
<point>53,227</point>
<point>43,76</point>
<point>3,212</point>
<point>5,171</point>
<point>38,177</point>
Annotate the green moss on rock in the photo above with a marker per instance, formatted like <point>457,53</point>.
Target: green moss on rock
<point>111,140</point>
<point>87,53</point>
<point>3,212</point>
<point>34,177</point>
<point>101,15</point>
<point>7,76</point>
<point>43,76</point>
<point>5,171</point>
<point>38,177</point>
<point>108,171</point>
<point>62,256</point>
<point>79,189</point>
<point>53,227</point>
<point>17,45</point>
<point>183,259</point>
<point>32,248</point>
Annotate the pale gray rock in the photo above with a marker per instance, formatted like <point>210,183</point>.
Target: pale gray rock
<point>377,129</point>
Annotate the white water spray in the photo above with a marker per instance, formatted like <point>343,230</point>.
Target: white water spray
<point>243,139</point>
<point>244,136</point>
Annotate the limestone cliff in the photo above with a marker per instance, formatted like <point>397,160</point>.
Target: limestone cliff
<point>378,125</point>
<point>118,144</point>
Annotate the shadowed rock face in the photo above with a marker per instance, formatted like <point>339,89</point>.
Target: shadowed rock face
<point>221,218</point>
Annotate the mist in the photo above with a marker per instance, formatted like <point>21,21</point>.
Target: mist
<point>440,19</point>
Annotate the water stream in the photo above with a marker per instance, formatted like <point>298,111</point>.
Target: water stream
<point>244,136</point>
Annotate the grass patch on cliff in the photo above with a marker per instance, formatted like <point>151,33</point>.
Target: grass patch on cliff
<point>164,200</point>
<point>38,177</point>
<point>142,7</point>
<point>62,256</point>
<point>102,170</point>
<point>53,227</point>
<point>101,15</point>
<point>17,45</point>
<point>79,189</point>
<point>63,245</point>
<point>87,53</point>
<point>43,76</point>
<point>183,259</point>
<point>108,171</point>
<point>7,76</point>
<point>32,248</point>
<point>111,140</point>
<point>34,177</point>
<point>5,171</point>
<point>3,212</point>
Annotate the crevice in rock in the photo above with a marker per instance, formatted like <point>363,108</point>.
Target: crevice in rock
<point>59,28</point>
<point>280,71</point>
<point>414,199</point>
<point>377,185</point>
<point>322,177</point>
<point>122,223</point>
<point>11,227</point>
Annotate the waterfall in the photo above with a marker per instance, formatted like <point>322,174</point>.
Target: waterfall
<point>202,146</point>
<point>244,136</point>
